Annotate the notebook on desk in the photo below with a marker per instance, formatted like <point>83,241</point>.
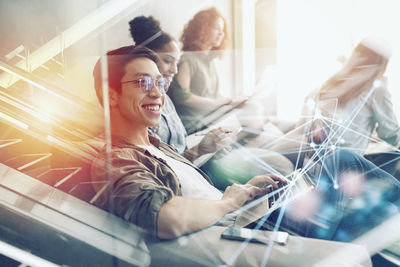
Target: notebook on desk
<point>392,252</point>
<point>214,115</point>
<point>219,112</point>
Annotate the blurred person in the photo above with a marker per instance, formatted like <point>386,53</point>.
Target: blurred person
<point>363,101</point>
<point>363,107</point>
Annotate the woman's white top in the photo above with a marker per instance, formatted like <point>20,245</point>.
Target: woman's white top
<point>355,122</point>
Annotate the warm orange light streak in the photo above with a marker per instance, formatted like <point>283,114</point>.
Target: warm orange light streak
<point>41,117</point>
<point>53,139</point>
<point>14,121</point>
<point>43,157</point>
<point>51,92</point>
<point>75,171</point>
<point>9,142</point>
<point>27,105</point>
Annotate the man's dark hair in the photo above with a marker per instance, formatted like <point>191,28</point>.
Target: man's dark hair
<point>116,61</point>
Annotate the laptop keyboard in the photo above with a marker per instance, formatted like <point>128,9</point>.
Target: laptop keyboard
<point>302,183</point>
<point>394,249</point>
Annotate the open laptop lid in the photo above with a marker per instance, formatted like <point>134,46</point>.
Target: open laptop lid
<point>319,134</point>
<point>317,145</point>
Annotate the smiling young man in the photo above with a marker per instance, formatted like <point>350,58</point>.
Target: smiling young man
<point>152,185</point>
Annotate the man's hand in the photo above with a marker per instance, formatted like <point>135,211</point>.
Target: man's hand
<point>239,194</point>
<point>263,180</point>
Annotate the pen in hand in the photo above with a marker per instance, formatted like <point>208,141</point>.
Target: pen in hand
<point>202,134</point>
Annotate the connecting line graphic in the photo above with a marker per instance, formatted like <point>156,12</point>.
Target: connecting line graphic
<point>315,159</point>
<point>287,191</point>
<point>395,150</point>
<point>343,128</point>
<point>355,113</point>
<point>268,169</point>
<point>319,152</point>
<point>261,222</point>
<point>283,199</point>
<point>270,243</point>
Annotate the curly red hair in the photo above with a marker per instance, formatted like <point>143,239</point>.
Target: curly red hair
<point>197,31</point>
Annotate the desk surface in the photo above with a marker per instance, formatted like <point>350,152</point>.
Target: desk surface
<point>379,147</point>
<point>206,248</point>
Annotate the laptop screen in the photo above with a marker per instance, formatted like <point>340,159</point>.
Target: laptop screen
<point>318,136</point>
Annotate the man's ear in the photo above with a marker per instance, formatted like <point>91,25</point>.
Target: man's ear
<point>113,97</point>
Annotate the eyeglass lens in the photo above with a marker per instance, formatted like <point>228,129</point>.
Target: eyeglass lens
<point>146,84</point>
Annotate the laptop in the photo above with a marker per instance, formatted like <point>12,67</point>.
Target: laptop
<point>303,180</point>
<point>392,253</point>
<point>299,184</point>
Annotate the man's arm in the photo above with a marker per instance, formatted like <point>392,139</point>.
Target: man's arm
<point>182,215</point>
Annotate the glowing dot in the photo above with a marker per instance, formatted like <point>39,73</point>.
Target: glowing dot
<point>312,144</point>
<point>182,241</point>
<point>342,141</point>
<point>333,147</point>
<point>304,206</point>
<point>377,83</point>
<point>335,185</point>
<point>352,183</point>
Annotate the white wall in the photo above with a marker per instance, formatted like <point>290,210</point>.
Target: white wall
<point>313,33</point>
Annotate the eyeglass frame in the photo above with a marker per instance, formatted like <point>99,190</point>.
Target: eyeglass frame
<point>154,82</point>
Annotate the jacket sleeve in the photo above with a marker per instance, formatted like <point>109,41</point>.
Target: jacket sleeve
<point>136,194</point>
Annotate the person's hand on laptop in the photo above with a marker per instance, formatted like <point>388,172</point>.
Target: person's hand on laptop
<point>239,194</point>
<point>265,180</point>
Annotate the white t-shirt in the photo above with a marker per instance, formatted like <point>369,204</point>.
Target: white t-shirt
<point>193,183</point>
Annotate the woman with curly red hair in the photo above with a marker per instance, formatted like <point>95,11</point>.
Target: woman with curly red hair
<point>194,89</point>
<point>206,31</point>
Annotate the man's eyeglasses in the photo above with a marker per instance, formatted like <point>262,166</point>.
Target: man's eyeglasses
<point>146,84</point>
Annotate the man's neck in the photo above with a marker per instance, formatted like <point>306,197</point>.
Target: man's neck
<point>134,135</point>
